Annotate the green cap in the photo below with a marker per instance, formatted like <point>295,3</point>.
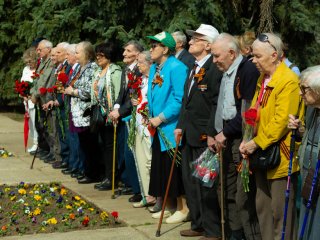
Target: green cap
<point>166,39</point>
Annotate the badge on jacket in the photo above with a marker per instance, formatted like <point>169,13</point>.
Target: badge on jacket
<point>202,87</point>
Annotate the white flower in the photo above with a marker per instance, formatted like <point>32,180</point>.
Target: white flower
<point>20,200</point>
<point>36,192</point>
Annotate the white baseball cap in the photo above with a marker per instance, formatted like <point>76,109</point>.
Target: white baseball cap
<point>206,30</point>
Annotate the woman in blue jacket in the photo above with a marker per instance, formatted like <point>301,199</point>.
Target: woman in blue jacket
<point>165,91</point>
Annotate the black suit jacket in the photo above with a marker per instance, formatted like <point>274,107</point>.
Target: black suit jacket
<point>124,96</point>
<point>187,58</point>
<point>198,108</point>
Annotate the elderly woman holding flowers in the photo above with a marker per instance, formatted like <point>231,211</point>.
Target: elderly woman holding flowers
<point>142,147</point>
<point>309,152</point>
<point>276,96</point>
<point>80,91</point>
<point>165,91</point>
<point>105,90</point>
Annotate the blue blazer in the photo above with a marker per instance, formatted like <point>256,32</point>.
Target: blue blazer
<point>167,99</point>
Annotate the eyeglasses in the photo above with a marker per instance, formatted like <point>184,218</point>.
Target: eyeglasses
<point>304,89</point>
<point>264,38</point>
<point>196,39</point>
<point>40,49</point>
<point>100,55</point>
<point>154,45</point>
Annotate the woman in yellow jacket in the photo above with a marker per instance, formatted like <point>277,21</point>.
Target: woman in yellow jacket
<point>276,96</point>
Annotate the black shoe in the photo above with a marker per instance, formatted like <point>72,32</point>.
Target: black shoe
<point>135,198</point>
<point>104,185</point>
<point>81,176</point>
<point>69,171</point>
<point>104,181</point>
<point>50,159</point>
<point>44,157</point>
<point>75,175</point>
<point>126,191</point>
<point>60,165</point>
<point>86,180</point>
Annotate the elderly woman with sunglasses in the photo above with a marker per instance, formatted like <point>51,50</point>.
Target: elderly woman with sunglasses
<point>309,150</point>
<point>276,96</point>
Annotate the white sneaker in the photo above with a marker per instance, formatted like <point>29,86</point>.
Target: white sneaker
<point>32,149</point>
<point>177,217</point>
<point>157,215</point>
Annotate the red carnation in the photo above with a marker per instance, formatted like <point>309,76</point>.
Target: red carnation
<point>63,78</point>
<point>250,116</point>
<point>42,90</point>
<point>85,221</point>
<point>130,76</point>
<point>115,214</point>
<point>50,90</point>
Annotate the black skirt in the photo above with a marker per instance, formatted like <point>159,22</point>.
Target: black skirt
<point>160,171</point>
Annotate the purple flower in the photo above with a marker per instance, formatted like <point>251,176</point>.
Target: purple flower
<point>12,193</point>
<point>21,183</point>
<point>34,220</point>
<point>53,194</point>
<point>43,191</point>
<point>59,200</point>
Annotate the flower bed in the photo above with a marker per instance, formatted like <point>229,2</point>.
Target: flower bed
<point>43,208</point>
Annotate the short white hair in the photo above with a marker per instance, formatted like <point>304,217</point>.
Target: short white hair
<point>273,41</point>
<point>72,48</point>
<point>230,42</point>
<point>63,45</point>
<point>46,43</point>
<point>181,37</point>
<point>311,76</point>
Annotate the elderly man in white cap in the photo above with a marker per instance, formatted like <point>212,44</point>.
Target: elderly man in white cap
<point>196,124</point>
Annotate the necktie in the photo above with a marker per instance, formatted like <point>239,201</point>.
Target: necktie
<point>190,79</point>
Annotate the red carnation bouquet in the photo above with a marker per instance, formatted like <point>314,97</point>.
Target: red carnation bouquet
<point>23,88</point>
<point>134,86</point>
<point>206,168</point>
<point>144,111</point>
<point>62,79</point>
<point>249,122</point>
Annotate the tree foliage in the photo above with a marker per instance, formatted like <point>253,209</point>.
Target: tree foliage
<point>74,20</point>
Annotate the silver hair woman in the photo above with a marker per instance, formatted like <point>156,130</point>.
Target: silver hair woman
<point>308,152</point>
<point>276,96</point>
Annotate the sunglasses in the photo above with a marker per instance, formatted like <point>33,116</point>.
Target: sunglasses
<point>264,38</point>
<point>304,89</point>
<point>154,45</point>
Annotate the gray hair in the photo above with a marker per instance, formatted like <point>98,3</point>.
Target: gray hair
<point>135,44</point>
<point>273,41</point>
<point>46,43</point>
<point>181,37</point>
<point>72,48</point>
<point>147,56</point>
<point>230,42</point>
<point>63,45</point>
<point>311,75</point>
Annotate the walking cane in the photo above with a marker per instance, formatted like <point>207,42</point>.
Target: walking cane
<point>292,148</point>
<point>34,157</point>
<point>313,186</point>
<point>168,185</point>
<point>221,194</point>
<point>114,158</point>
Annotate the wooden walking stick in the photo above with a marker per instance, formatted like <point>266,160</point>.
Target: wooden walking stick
<point>221,194</point>
<point>114,158</point>
<point>34,157</point>
<point>168,185</point>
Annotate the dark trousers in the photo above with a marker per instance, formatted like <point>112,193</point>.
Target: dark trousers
<point>107,140</point>
<point>40,122</point>
<point>239,207</point>
<point>77,156</point>
<point>63,133</point>
<point>202,201</point>
<point>90,146</point>
<point>126,161</point>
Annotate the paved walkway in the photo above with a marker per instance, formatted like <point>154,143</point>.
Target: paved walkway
<point>16,169</point>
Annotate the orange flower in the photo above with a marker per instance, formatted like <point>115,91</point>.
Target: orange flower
<point>72,216</point>
<point>85,221</point>
<point>4,228</point>
<point>158,80</point>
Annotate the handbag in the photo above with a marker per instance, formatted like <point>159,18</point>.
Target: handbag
<point>97,120</point>
<point>266,159</point>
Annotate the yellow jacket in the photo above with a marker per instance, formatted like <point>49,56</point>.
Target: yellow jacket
<point>272,126</point>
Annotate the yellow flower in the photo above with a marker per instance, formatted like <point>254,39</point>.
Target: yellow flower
<point>37,197</point>
<point>31,192</point>
<point>37,211</point>
<point>26,204</point>
<point>26,185</point>
<point>91,209</point>
<point>4,155</point>
<point>63,191</point>
<point>77,204</point>
<point>13,198</point>
<point>7,189</point>
<point>13,213</point>
<point>52,221</point>
<point>43,229</point>
<point>103,215</point>
<point>77,198</point>
<point>68,207</point>
<point>22,191</point>
<point>82,202</point>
